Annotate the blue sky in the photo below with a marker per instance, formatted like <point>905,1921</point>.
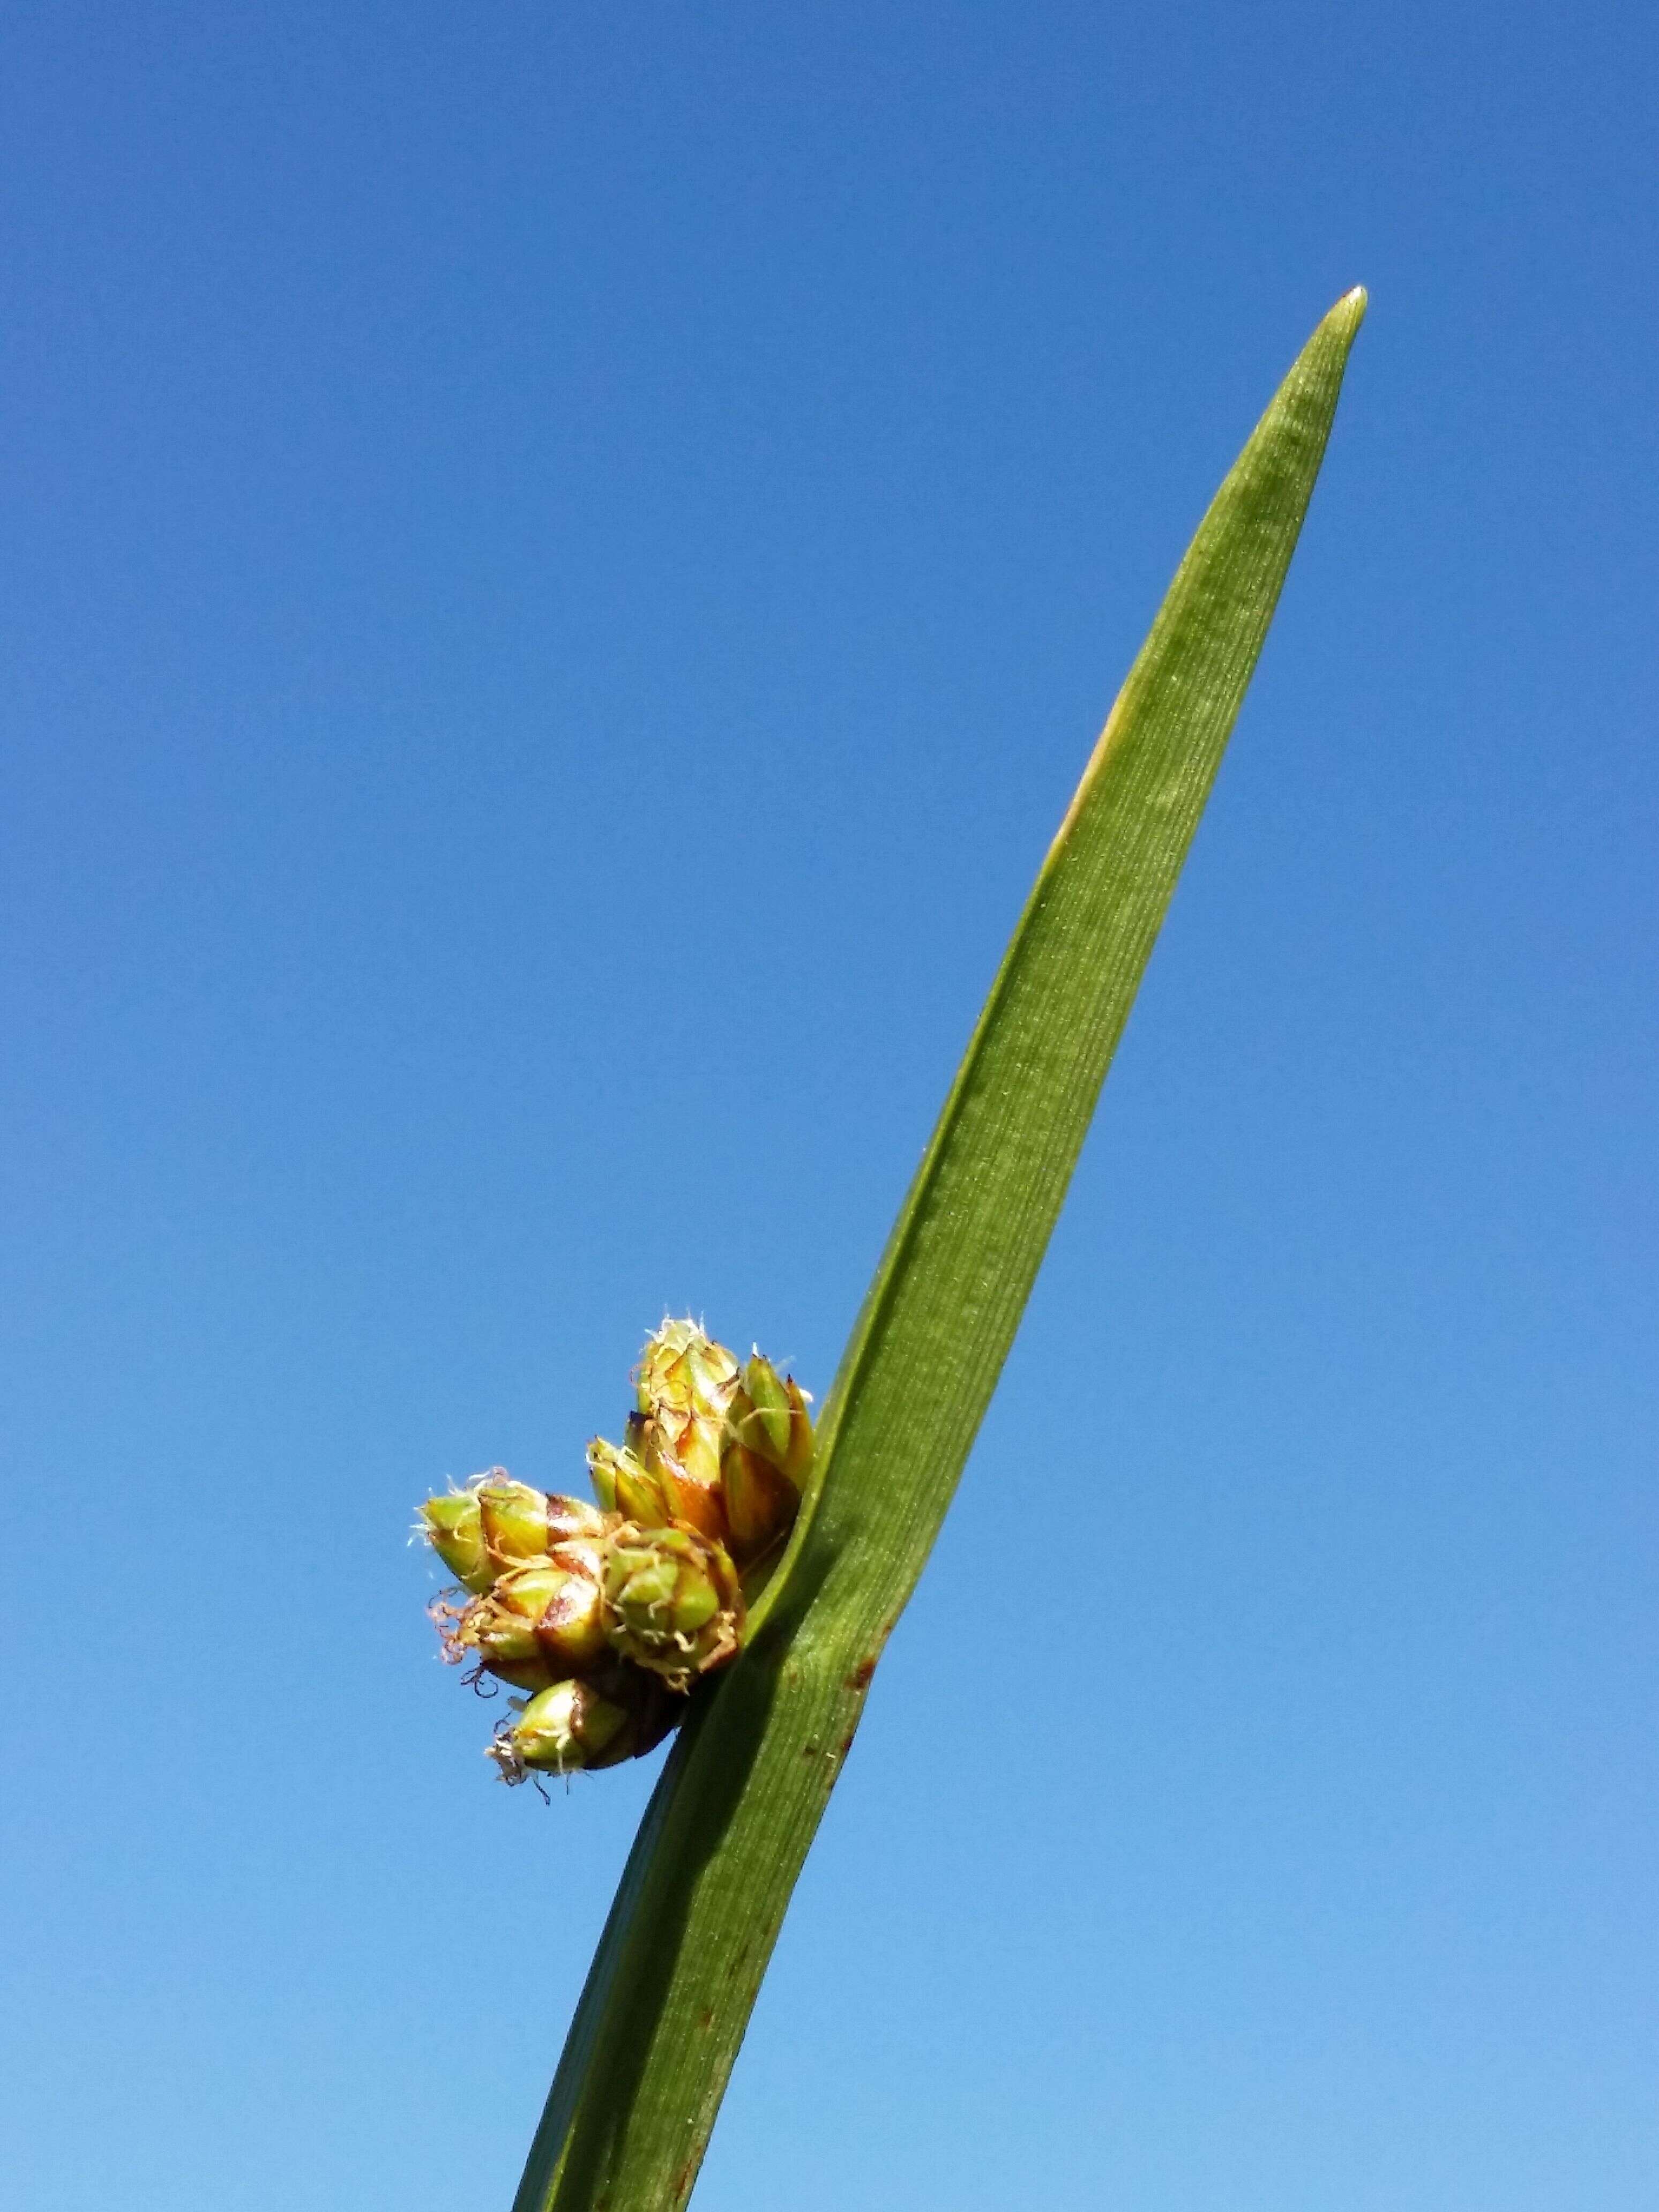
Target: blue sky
<point>559,565</point>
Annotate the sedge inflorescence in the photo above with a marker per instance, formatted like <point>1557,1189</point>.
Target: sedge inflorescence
<point>608,1614</point>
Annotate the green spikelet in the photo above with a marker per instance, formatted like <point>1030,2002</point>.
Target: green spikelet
<point>684,1384</point>
<point>624,1485</point>
<point>541,1623</point>
<point>496,1524</point>
<point>620,1714</point>
<point>453,1525</point>
<point>672,1602</point>
<point>521,1524</point>
<point>766,1455</point>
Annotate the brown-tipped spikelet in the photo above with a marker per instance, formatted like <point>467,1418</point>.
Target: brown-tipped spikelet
<point>540,1624</point>
<point>683,1385</point>
<point>496,1524</point>
<point>521,1524</point>
<point>766,1454</point>
<point>672,1602</point>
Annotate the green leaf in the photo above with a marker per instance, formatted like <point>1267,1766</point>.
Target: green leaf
<point>740,1798</point>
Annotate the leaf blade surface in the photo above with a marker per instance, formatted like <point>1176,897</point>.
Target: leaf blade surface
<point>740,1798</point>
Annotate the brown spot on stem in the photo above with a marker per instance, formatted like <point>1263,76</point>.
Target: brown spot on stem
<point>706,2017</point>
<point>859,1677</point>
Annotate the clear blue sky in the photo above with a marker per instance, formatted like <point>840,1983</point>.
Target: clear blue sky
<point>560,564</point>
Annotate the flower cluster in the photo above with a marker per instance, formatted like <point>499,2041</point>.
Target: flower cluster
<point>609,1614</point>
